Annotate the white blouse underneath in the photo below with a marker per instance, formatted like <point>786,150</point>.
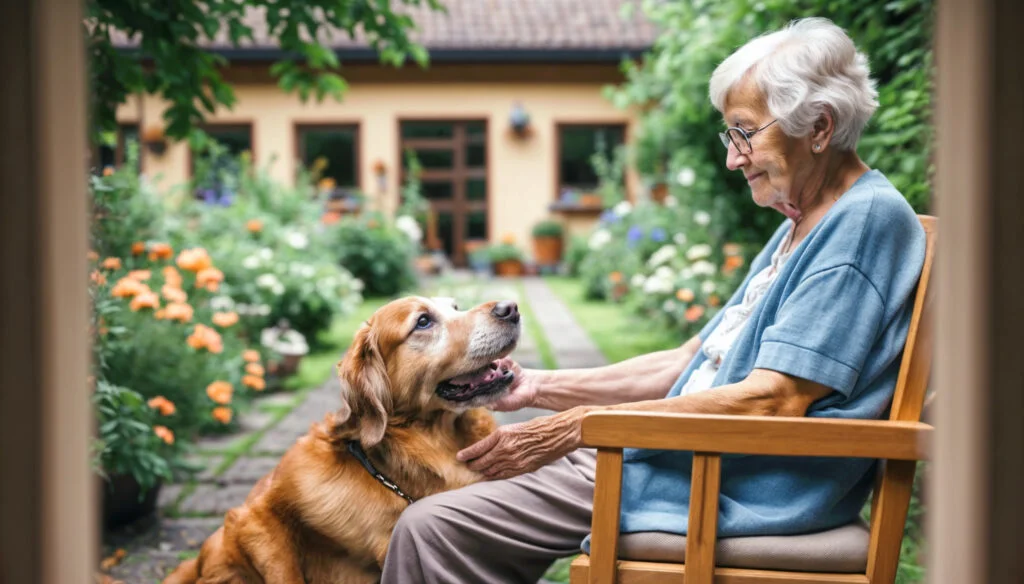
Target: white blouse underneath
<point>718,343</point>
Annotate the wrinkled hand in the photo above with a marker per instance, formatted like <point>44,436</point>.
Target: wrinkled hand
<point>525,447</point>
<point>523,391</point>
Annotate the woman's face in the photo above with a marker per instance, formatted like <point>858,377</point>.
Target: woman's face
<point>778,166</point>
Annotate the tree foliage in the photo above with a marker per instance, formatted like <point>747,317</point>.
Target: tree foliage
<point>679,127</point>
<point>169,57</point>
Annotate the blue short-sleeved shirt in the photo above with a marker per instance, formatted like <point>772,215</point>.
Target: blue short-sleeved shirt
<point>838,314</point>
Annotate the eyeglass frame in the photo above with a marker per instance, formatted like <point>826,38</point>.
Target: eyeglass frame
<point>726,137</point>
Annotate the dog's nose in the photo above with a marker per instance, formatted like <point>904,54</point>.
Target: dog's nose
<point>506,310</point>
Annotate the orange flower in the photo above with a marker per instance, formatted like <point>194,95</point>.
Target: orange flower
<point>160,251</point>
<point>108,171</point>
<point>694,313</point>
<point>330,218</point>
<point>92,256</point>
<point>254,382</point>
<point>251,356</point>
<point>98,277</point>
<point>204,337</point>
<point>220,392</point>
<point>127,287</point>
<point>731,249</point>
<point>173,293</point>
<point>615,277</point>
<point>160,314</point>
<point>140,275</point>
<point>684,295</point>
<point>222,415</point>
<point>164,433</point>
<point>209,278</point>
<point>731,263</point>
<point>145,299</point>
<point>194,260</point>
<point>138,248</point>
<point>254,369</point>
<point>172,277</point>
<point>164,405</point>
<point>225,319</point>
<point>509,238</point>
<point>327,184</point>
<point>254,225</point>
<point>714,300</point>
<point>111,263</point>
<point>179,311</point>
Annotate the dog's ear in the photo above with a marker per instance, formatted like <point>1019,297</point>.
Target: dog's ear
<point>365,388</point>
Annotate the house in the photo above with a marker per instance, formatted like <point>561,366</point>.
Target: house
<point>493,63</point>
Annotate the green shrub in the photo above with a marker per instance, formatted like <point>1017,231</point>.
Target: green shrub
<point>548,228</point>
<point>503,252</point>
<point>376,252</point>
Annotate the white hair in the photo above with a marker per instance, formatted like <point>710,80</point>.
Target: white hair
<point>801,70</point>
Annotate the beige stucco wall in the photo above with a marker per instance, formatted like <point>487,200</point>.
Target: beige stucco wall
<point>521,172</point>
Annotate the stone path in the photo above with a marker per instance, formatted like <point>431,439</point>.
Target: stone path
<point>191,511</point>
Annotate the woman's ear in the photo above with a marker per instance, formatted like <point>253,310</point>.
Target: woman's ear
<point>365,388</point>
<point>822,130</point>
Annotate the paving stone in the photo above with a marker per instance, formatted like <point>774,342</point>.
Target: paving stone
<point>145,566</point>
<point>187,532</point>
<point>210,499</point>
<point>220,443</point>
<point>254,420</point>
<point>207,463</point>
<point>168,496</point>
<point>571,345</point>
<point>274,400</point>
<point>249,470</point>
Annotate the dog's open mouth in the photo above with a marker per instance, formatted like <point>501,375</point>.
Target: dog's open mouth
<point>484,381</point>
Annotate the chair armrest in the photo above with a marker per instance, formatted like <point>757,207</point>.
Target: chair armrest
<point>780,436</point>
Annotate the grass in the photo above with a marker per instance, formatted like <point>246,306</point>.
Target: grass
<point>617,333</point>
<point>536,332</point>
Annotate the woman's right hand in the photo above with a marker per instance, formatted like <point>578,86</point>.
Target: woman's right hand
<point>523,391</point>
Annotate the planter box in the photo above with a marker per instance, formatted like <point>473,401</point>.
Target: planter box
<point>508,268</point>
<point>547,250</point>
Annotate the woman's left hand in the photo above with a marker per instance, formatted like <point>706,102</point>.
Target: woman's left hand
<point>525,447</point>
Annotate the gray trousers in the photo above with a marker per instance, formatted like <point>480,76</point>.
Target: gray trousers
<point>495,531</point>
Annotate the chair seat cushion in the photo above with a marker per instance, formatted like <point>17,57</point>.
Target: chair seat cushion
<point>843,549</point>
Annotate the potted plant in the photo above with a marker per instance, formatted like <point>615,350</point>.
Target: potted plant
<point>131,453</point>
<point>288,343</point>
<point>478,256</point>
<point>547,242</point>
<point>506,259</point>
<point>154,140</point>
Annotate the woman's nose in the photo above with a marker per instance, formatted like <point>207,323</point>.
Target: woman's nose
<point>733,159</point>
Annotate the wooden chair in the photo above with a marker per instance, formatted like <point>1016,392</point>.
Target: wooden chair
<point>900,441</point>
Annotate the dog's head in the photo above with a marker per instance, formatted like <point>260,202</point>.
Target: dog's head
<point>416,356</point>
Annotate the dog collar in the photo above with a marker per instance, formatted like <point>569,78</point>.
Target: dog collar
<point>356,450</point>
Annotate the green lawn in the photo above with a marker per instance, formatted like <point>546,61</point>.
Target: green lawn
<point>617,333</point>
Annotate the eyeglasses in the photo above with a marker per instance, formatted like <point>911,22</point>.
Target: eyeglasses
<point>740,138</point>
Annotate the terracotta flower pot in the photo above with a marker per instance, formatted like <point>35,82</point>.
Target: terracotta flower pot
<point>123,501</point>
<point>547,250</point>
<point>659,192</point>
<point>508,268</point>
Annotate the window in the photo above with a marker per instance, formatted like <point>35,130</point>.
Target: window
<point>335,149</point>
<point>114,151</point>
<point>215,170</point>
<point>577,143</point>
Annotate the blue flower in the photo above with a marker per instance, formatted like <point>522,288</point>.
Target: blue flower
<point>658,234</point>
<point>634,235</point>
<point>609,217</point>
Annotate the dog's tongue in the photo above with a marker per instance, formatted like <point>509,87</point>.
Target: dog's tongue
<point>485,375</point>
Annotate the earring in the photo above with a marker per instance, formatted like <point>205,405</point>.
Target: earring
<point>817,147</point>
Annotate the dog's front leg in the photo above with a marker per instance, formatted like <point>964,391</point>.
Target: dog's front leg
<point>271,549</point>
<point>474,425</point>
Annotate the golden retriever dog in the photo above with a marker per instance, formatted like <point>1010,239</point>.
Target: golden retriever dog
<point>413,383</point>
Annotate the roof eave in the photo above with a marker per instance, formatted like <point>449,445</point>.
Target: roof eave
<point>449,55</point>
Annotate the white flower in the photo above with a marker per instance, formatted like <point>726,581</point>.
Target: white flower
<point>671,201</point>
<point>297,240</point>
<point>657,285</point>
<point>702,218</point>
<point>302,270</point>
<point>686,273</point>
<point>268,281</point>
<point>707,287</point>
<point>664,254</point>
<point>262,309</point>
<point>686,177</point>
<point>679,238</point>
<point>599,239</point>
<point>357,284</point>
<point>251,262</point>
<point>665,273</point>
<point>699,251</point>
<point>222,303</point>
<point>703,268</point>
<point>265,253</point>
<point>286,342</point>
<point>622,209</point>
<point>408,225</point>
<point>242,309</point>
<point>637,281</point>
<point>668,306</point>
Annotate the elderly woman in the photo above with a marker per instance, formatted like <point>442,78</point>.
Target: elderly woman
<point>816,329</point>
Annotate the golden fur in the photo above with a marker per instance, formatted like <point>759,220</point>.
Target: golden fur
<point>319,517</point>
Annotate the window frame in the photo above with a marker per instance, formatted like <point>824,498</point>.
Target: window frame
<point>560,126</point>
<point>300,128</point>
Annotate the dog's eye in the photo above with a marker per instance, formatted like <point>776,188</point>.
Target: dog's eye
<point>424,322</point>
